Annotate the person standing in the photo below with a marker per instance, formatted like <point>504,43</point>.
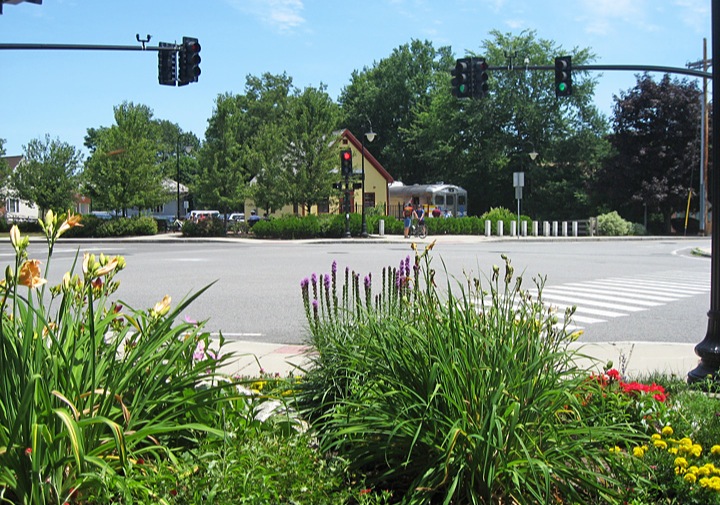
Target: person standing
<point>408,212</point>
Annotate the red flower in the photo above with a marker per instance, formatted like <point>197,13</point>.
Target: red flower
<point>173,492</point>
<point>365,491</point>
<point>28,451</point>
<point>613,374</point>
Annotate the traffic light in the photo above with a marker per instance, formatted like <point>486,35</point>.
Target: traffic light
<point>189,64</point>
<point>167,65</point>
<point>563,76</point>
<point>346,162</point>
<point>479,77</point>
<point>461,82</point>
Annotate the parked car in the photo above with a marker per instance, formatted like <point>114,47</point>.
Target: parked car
<point>238,217</point>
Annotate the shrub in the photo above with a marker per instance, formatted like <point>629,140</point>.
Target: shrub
<point>208,227</point>
<point>453,399</point>
<point>501,214</point>
<point>611,224</point>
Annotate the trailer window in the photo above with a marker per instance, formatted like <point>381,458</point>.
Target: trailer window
<point>439,200</point>
<point>461,199</point>
<point>450,199</point>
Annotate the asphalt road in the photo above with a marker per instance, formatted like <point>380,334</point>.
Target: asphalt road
<point>626,290</point>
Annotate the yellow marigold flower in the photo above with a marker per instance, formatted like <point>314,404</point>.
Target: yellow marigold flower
<point>679,470</point>
<point>615,450</point>
<point>714,483</point>
<point>680,462</point>
<point>660,444</point>
<point>655,436</point>
<point>715,450</point>
<point>638,452</point>
<point>685,442</point>
<point>696,450</point>
<point>30,274</point>
<point>667,431</point>
<point>673,450</point>
<point>690,478</point>
<point>705,470</point>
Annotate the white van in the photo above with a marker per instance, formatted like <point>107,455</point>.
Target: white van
<point>199,215</point>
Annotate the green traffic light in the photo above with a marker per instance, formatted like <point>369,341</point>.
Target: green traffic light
<point>462,88</point>
<point>562,87</point>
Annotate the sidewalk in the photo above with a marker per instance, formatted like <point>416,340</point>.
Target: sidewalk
<point>632,359</point>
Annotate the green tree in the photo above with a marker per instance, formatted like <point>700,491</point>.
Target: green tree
<point>123,171</point>
<point>310,156</point>
<point>391,94</point>
<point>656,137</point>
<point>478,144</point>
<point>4,173</point>
<point>48,174</point>
<point>227,154</point>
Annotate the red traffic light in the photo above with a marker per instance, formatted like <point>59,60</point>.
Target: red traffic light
<point>346,155</point>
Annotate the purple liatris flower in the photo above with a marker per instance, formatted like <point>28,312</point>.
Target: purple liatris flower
<point>326,279</point>
<point>304,283</point>
<point>334,267</point>
<point>368,281</point>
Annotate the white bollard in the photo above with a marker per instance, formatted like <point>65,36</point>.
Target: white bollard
<point>488,228</point>
<point>523,228</point>
<point>381,227</point>
<point>546,228</point>
<point>513,228</point>
<point>555,228</point>
<point>535,228</point>
<point>564,229</point>
<point>500,226</point>
<point>575,228</point>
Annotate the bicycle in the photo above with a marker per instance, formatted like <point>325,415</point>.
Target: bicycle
<point>418,230</point>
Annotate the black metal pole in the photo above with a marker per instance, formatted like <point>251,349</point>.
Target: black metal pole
<point>347,206</point>
<point>709,349</point>
<point>177,182</point>
<point>363,230</point>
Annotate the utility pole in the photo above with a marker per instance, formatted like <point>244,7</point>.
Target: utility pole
<point>704,133</point>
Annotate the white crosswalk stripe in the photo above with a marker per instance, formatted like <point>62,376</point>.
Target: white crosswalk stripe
<point>600,300</point>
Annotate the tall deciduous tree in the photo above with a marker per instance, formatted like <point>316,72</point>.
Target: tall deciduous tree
<point>310,157</point>
<point>390,95</point>
<point>123,171</point>
<point>48,174</point>
<point>656,137</point>
<point>478,144</point>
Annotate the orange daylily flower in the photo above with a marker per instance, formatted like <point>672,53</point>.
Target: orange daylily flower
<point>72,221</point>
<point>30,274</point>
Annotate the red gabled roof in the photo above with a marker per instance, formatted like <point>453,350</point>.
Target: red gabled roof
<point>371,159</point>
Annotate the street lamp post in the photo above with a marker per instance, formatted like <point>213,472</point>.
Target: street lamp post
<point>177,174</point>
<point>370,136</point>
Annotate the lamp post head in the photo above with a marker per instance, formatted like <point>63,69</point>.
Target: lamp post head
<point>533,154</point>
<point>370,135</point>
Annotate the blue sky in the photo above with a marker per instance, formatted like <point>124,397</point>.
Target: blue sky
<point>62,93</point>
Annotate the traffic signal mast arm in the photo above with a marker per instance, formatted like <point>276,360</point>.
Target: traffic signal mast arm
<point>633,68</point>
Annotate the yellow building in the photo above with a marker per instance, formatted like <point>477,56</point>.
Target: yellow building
<point>377,180</point>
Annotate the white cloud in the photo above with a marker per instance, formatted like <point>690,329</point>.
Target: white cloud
<point>282,15</point>
<point>601,16</point>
